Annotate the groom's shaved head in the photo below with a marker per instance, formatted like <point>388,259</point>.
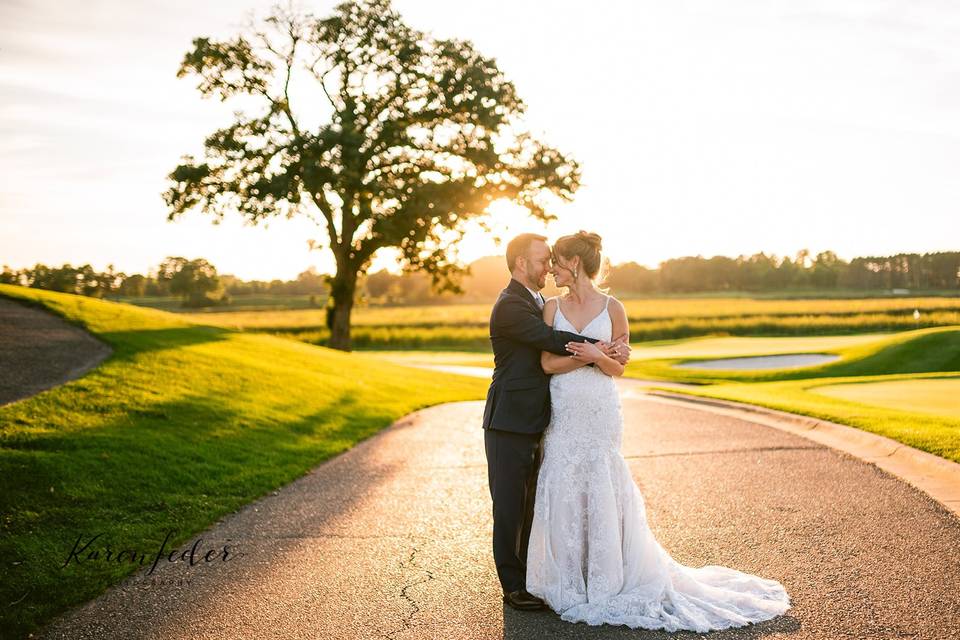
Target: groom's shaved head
<point>519,246</point>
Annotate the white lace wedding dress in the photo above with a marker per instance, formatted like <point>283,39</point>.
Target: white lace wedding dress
<point>592,556</point>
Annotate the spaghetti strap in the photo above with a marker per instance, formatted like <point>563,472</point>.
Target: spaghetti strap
<point>607,303</point>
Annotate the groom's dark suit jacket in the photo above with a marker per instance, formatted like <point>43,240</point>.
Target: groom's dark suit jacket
<point>519,396</point>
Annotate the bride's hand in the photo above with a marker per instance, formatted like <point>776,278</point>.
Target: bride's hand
<point>584,351</point>
<point>619,349</point>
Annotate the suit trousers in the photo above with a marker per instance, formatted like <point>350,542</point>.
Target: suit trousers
<point>513,462</point>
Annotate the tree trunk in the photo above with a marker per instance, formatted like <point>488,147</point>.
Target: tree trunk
<point>342,291</point>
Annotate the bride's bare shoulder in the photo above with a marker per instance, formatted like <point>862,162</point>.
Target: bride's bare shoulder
<point>616,307</point>
<point>549,310</point>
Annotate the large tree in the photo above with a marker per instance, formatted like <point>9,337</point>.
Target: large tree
<point>422,135</point>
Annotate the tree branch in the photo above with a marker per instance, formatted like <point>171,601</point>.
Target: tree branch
<point>327,211</point>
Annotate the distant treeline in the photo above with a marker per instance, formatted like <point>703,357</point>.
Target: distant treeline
<point>198,284</point>
<point>761,272</point>
<point>757,273</point>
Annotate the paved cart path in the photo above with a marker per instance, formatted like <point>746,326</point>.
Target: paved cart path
<point>392,540</point>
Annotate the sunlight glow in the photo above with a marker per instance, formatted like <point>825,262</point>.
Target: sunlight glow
<point>482,237</point>
<point>744,127</point>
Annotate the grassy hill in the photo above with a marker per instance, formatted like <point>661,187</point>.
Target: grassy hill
<point>903,386</point>
<point>920,351</point>
<point>183,424</point>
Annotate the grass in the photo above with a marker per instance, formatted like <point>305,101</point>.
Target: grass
<point>736,346</point>
<point>459,358</point>
<point>188,420</point>
<point>920,395</point>
<point>934,433</point>
<point>465,327</point>
<point>920,351</point>
<point>280,301</point>
<point>926,350</point>
<point>902,385</point>
<point>246,302</point>
<point>637,309</point>
<point>183,424</point>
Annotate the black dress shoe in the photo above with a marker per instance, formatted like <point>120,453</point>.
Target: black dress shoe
<point>523,600</point>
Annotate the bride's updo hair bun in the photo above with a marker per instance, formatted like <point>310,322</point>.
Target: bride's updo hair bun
<point>584,244</point>
<point>592,239</point>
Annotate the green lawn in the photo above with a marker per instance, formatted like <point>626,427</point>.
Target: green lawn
<point>939,396</point>
<point>187,422</point>
<point>464,327</point>
<point>936,433</point>
<point>901,385</point>
<point>459,358</point>
<point>239,303</point>
<point>919,351</point>
<point>736,346</point>
<point>924,350</point>
<point>183,424</point>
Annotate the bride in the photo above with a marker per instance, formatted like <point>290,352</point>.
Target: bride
<point>592,557</point>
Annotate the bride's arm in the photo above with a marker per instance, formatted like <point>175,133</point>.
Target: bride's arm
<point>551,362</point>
<point>586,353</point>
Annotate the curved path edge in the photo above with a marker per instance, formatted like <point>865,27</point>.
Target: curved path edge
<point>41,350</point>
<point>937,477</point>
<point>390,539</point>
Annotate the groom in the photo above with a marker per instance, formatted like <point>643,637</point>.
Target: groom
<point>518,407</point>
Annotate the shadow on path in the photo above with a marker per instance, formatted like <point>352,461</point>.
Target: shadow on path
<point>392,540</point>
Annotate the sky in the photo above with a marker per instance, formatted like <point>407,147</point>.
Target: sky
<point>703,128</point>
